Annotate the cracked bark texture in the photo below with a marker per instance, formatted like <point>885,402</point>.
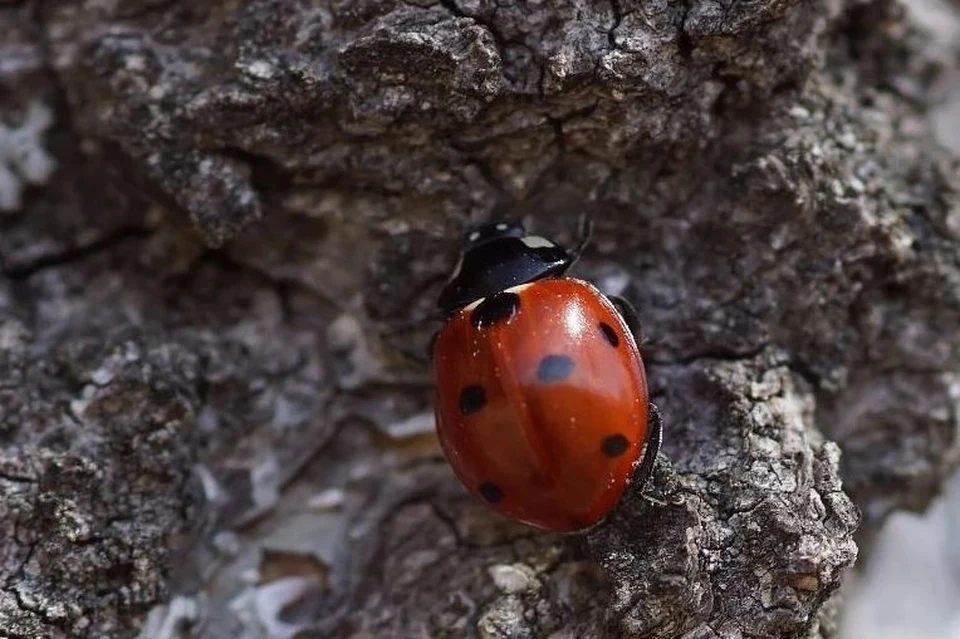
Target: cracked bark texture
<point>207,426</point>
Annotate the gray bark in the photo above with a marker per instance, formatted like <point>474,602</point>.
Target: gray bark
<point>204,309</point>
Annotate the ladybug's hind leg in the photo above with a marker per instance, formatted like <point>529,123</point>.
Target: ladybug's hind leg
<point>651,447</point>
<point>630,317</point>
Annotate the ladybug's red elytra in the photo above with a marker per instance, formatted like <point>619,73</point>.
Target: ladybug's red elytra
<point>541,396</point>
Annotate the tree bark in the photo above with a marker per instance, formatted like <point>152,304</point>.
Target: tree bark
<point>210,423</point>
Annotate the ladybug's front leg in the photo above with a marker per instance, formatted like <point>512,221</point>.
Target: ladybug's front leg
<point>651,447</point>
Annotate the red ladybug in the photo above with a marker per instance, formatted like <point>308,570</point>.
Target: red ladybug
<point>541,404</point>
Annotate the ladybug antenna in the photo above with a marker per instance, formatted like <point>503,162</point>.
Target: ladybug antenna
<point>585,232</point>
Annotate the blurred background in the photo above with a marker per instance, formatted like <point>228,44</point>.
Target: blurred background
<point>909,585</point>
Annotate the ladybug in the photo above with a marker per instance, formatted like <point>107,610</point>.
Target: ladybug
<point>541,401</point>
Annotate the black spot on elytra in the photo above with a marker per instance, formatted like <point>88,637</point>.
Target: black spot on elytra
<point>491,492</point>
<point>614,445</point>
<point>495,308</point>
<point>554,368</point>
<point>472,399</point>
<point>609,334</point>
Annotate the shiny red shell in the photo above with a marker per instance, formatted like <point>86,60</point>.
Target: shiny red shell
<point>542,402</point>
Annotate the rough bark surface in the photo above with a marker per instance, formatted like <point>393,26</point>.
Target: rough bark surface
<point>219,220</point>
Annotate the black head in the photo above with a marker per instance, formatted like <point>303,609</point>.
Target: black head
<point>495,257</point>
<point>495,231</point>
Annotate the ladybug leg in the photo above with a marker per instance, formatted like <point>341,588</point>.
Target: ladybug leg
<point>651,447</point>
<point>423,359</point>
<point>413,358</point>
<point>412,324</point>
<point>629,316</point>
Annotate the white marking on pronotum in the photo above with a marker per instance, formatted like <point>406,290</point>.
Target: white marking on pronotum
<point>501,227</point>
<point>474,236</point>
<point>518,288</point>
<point>535,241</point>
<point>475,303</point>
